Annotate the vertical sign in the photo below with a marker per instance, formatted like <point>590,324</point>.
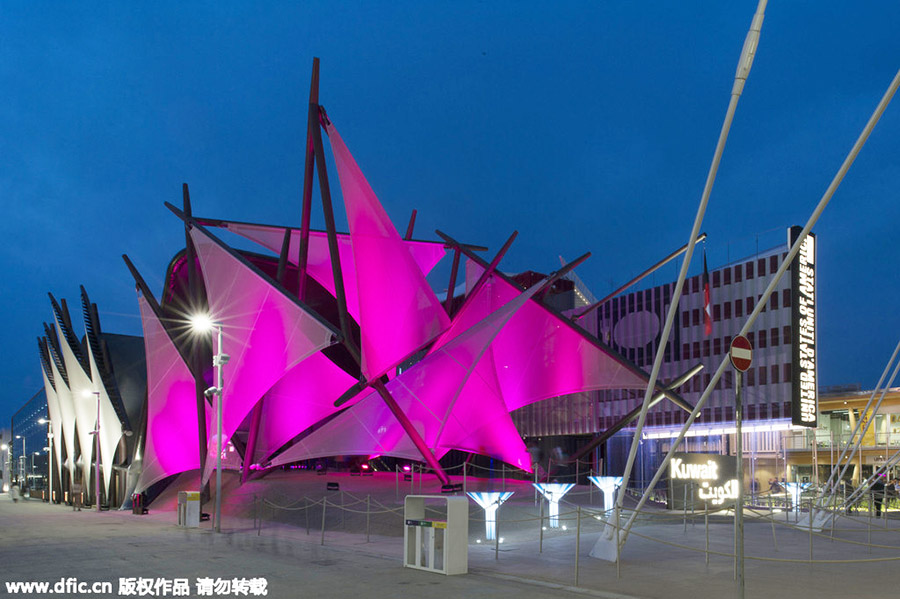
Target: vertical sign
<point>804,362</point>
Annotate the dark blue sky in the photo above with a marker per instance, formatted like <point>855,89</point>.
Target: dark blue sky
<point>585,126</point>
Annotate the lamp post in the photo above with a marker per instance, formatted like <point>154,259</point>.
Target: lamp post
<point>49,457</point>
<point>22,480</point>
<point>96,433</point>
<point>202,323</point>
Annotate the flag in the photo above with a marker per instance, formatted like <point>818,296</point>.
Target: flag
<point>707,309</point>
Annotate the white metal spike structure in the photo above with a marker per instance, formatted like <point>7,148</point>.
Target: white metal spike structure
<point>608,486</point>
<point>110,425</point>
<point>67,430</point>
<point>85,406</point>
<point>743,71</point>
<point>607,553</point>
<point>553,492</point>
<point>490,503</point>
<point>56,424</point>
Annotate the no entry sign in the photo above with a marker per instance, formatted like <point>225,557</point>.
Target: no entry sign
<point>741,353</point>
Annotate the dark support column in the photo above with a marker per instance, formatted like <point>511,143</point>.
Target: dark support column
<point>411,431</point>
<point>448,302</point>
<point>312,122</point>
<point>410,226</point>
<point>328,209</point>
<point>283,256</point>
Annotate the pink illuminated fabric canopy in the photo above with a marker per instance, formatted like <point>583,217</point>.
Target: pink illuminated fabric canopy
<point>266,332</point>
<point>171,444</point>
<point>398,311</point>
<point>426,254</point>
<point>451,396</point>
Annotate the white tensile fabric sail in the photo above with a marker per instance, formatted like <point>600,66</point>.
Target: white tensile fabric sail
<point>265,332</point>
<point>451,397</point>
<point>110,425</point>
<point>55,422</point>
<point>67,414</point>
<point>85,403</point>
<point>398,311</point>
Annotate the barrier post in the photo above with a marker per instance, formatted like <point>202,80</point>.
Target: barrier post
<point>497,535</point>
<point>541,542</point>
<point>324,503</point>
<point>577,543</point>
<point>397,480</point>
<point>367,517</point>
<point>810,531</point>
<point>618,575</point>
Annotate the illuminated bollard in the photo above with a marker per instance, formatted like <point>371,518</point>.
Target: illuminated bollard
<point>795,489</point>
<point>553,492</point>
<point>608,485</point>
<point>490,503</point>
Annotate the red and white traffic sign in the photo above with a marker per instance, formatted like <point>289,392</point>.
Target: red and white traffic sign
<point>741,353</point>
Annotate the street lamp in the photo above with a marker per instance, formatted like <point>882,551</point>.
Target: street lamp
<point>6,462</point>
<point>22,480</point>
<point>96,433</point>
<point>203,323</point>
<point>49,457</point>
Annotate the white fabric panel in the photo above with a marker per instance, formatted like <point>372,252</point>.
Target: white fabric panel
<point>85,406</point>
<point>67,413</point>
<point>110,425</point>
<point>55,421</point>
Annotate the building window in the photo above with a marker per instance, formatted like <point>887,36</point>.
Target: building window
<point>762,375</point>
<point>773,337</point>
<point>727,343</point>
<point>738,308</point>
<point>787,372</point>
<point>717,312</point>
<point>696,384</point>
<point>762,338</point>
<point>750,304</point>
<point>727,310</point>
<point>751,377</point>
<point>696,315</point>
<point>685,319</point>
<point>695,284</point>
<point>774,374</point>
<point>761,267</point>
<point>751,337</point>
<point>773,263</point>
<point>706,348</point>
<point>640,302</point>
<point>685,351</point>
<point>773,301</point>
<point>749,268</point>
<point>717,346</point>
<point>786,298</point>
<point>726,275</point>
<point>696,349</point>
<point>786,335</point>
<point>738,273</point>
<point>717,276</point>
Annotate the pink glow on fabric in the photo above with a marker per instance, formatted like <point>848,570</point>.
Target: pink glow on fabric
<point>399,313</point>
<point>451,397</point>
<point>304,396</point>
<point>171,444</point>
<point>426,255</point>
<point>265,332</point>
<point>538,356</point>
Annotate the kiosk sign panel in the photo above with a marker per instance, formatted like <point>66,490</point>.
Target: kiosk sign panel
<point>698,480</point>
<point>804,361</point>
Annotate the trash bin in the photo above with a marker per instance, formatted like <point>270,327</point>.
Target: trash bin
<point>188,509</point>
<point>137,504</point>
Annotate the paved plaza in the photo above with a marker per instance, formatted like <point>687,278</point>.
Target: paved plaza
<point>40,542</point>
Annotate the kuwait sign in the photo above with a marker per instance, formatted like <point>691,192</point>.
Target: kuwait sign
<point>741,353</point>
<point>804,363</point>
